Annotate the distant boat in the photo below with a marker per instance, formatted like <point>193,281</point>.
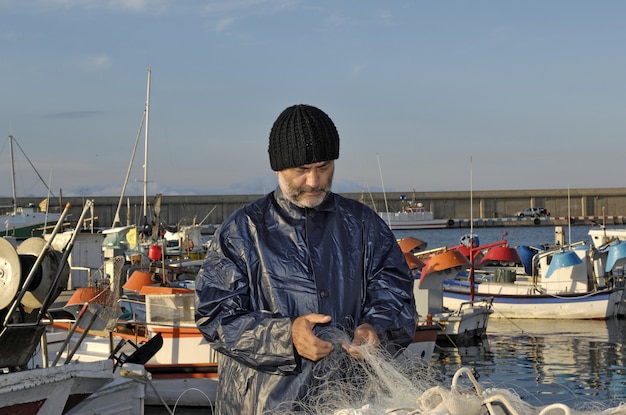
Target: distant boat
<point>25,221</point>
<point>413,215</point>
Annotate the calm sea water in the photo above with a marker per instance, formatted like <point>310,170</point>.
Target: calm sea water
<point>517,235</point>
<point>579,363</point>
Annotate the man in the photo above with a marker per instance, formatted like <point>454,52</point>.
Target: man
<point>301,258</point>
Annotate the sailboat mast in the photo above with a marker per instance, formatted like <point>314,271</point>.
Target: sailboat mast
<point>145,157</point>
<point>12,173</point>
<point>471,247</point>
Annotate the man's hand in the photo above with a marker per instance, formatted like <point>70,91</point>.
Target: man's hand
<point>364,334</point>
<point>307,344</point>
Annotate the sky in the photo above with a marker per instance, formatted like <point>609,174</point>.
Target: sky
<point>426,95</point>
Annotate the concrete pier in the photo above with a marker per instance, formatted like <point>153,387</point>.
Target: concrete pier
<point>488,208</point>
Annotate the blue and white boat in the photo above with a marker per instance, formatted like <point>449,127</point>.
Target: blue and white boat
<point>566,282</point>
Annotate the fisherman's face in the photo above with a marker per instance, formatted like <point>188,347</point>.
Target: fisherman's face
<point>307,186</point>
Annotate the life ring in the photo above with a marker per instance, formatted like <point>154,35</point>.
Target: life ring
<point>450,222</point>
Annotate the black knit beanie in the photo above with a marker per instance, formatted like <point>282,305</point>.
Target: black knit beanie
<point>301,135</point>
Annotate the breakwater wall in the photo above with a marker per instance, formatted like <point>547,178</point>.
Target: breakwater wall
<point>487,208</point>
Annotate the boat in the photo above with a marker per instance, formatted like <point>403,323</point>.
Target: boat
<point>78,388</point>
<point>135,303</point>
<point>183,371</point>
<point>136,307</point>
<point>33,274</point>
<point>602,235</point>
<point>560,281</point>
<point>467,321</point>
<point>188,242</point>
<point>135,239</point>
<point>424,342</point>
<point>182,242</point>
<point>463,324</point>
<point>25,221</point>
<point>494,255</point>
<point>413,215</point>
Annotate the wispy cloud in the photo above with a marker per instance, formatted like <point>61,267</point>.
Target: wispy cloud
<point>224,6</point>
<point>357,70</point>
<point>111,5</point>
<point>223,24</point>
<point>8,36</point>
<point>73,114</point>
<point>94,62</point>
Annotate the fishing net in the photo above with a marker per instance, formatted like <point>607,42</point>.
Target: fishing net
<point>379,384</point>
<point>96,305</point>
<point>111,283</point>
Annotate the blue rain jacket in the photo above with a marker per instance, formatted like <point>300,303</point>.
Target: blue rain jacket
<point>271,262</point>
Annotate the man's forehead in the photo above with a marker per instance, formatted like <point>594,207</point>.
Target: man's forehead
<point>316,165</point>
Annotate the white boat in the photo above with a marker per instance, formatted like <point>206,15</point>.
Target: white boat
<point>154,305</point>
<point>182,372</point>
<point>29,220</point>
<point>186,359</point>
<point>463,324</point>
<point>559,283</point>
<point>32,276</point>
<point>603,235</point>
<point>413,216</point>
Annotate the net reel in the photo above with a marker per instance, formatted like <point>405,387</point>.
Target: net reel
<point>17,264</point>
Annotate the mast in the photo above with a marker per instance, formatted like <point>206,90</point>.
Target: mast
<point>145,157</point>
<point>471,250</point>
<point>12,174</point>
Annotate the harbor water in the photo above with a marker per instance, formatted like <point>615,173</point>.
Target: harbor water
<point>579,363</point>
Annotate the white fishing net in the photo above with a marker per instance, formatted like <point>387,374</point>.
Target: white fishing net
<point>381,385</point>
<point>106,283</point>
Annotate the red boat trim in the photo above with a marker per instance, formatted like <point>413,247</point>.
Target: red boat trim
<point>181,371</point>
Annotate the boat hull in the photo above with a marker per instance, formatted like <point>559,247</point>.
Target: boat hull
<point>597,305</point>
<point>412,220</point>
<point>423,344</point>
<point>466,325</point>
<point>28,229</point>
<point>52,390</point>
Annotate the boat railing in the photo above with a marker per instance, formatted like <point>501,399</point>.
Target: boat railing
<point>486,302</point>
<point>550,252</point>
